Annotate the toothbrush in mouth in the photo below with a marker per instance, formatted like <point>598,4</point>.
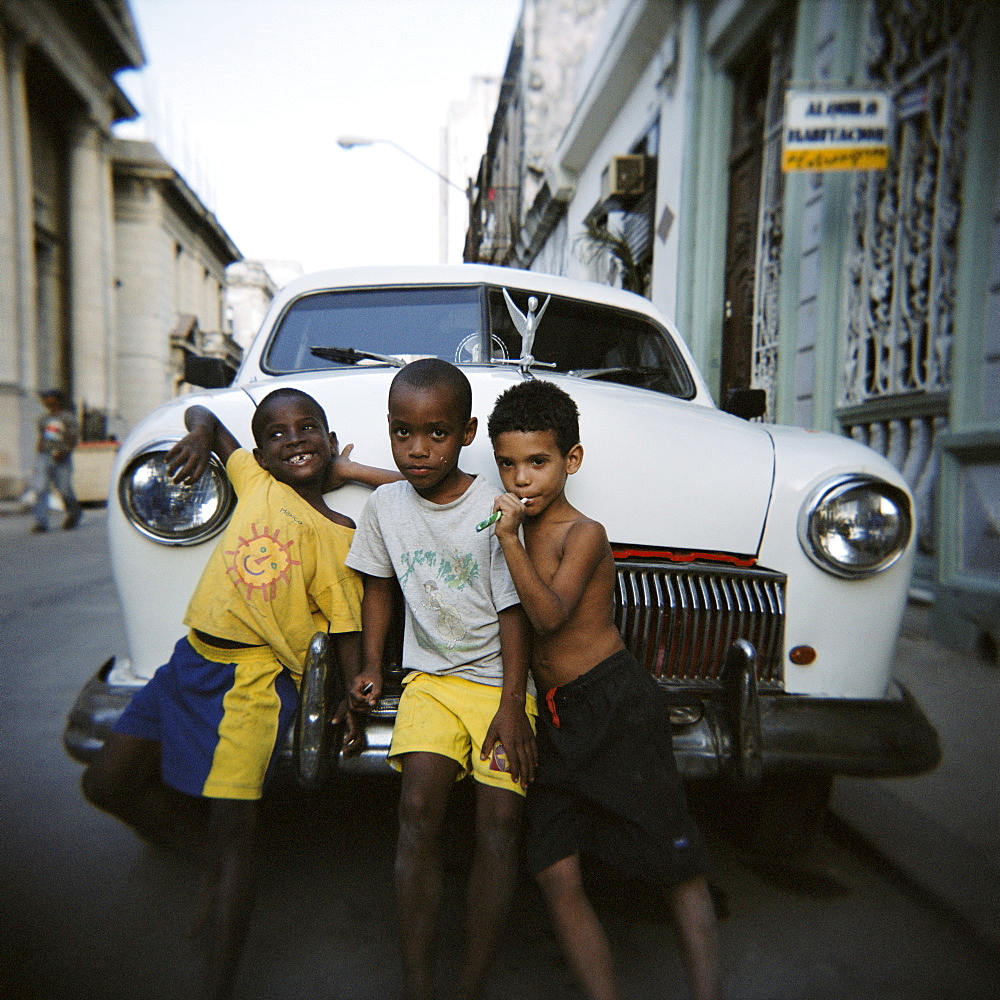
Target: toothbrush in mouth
<point>494,517</point>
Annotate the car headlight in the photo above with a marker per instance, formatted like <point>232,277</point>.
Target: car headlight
<point>169,512</point>
<point>855,526</point>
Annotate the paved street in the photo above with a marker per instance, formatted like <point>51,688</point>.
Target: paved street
<point>88,913</point>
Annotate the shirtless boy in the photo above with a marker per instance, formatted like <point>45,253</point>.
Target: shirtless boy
<point>606,781</point>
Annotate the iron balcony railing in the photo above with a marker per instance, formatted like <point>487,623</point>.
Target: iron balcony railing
<point>679,620</point>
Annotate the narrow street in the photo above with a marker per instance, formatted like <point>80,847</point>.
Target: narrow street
<point>89,913</point>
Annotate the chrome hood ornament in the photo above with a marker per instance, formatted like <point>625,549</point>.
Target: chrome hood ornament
<point>527,327</point>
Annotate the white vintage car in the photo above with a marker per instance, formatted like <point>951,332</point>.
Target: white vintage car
<point>762,570</point>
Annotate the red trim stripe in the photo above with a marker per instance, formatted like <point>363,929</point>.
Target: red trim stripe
<point>683,557</point>
<point>550,700</point>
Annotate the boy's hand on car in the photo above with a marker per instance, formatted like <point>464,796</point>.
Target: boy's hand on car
<point>354,740</point>
<point>355,737</point>
<point>341,467</point>
<point>365,691</point>
<point>188,459</point>
<point>510,728</point>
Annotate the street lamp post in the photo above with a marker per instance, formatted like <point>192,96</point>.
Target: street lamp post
<point>351,141</point>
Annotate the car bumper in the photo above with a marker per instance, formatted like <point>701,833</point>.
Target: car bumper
<point>95,711</point>
<point>888,737</point>
<point>882,738</point>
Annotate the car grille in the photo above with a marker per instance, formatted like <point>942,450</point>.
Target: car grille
<point>680,620</point>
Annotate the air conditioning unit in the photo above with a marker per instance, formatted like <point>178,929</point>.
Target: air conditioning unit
<point>624,177</point>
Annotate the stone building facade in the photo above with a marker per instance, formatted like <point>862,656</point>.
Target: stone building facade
<point>170,258</point>
<point>103,249</point>
<point>864,302</point>
<point>249,290</point>
<point>250,286</point>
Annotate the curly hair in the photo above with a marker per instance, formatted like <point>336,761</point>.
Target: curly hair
<point>537,405</point>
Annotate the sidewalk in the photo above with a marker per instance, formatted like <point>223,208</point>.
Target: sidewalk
<point>942,830</point>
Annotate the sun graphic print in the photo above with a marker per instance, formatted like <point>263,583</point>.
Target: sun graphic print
<point>259,562</point>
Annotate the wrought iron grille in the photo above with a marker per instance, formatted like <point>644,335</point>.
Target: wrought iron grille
<point>903,253</point>
<point>767,278</point>
<point>679,620</point>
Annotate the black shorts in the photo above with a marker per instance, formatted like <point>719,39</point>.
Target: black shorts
<point>607,783</point>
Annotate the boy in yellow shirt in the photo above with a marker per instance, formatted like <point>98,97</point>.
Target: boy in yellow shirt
<point>208,724</point>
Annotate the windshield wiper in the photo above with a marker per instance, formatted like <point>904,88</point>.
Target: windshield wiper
<point>349,356</point>
<point>598,372</point>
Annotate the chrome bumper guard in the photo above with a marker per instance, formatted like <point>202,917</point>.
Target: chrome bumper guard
<point>713,638</point>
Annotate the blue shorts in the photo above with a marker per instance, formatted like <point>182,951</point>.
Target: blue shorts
<point>219,724</point>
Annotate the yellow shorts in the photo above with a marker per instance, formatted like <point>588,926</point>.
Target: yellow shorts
<point>449,715</point>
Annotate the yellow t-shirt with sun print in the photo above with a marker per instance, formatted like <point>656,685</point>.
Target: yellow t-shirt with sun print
<point>277,576</point>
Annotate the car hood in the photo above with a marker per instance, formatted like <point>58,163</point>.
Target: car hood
<point>657,471</point>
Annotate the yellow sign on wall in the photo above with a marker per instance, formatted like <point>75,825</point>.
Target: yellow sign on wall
<point>835,130</point>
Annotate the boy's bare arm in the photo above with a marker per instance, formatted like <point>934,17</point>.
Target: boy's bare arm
<point>510,725</point>
<point>188,459</point>
<point>348,648</point>
<point>550,605</point>
<point>344,469</point>
<point>376,614</point>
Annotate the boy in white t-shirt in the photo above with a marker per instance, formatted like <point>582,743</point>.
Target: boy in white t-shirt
<point>466,705</point>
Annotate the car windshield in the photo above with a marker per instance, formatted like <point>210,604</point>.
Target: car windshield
<point>406,323</point>
<point>472,324</point>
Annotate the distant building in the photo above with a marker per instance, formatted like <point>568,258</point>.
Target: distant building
<point>105,253</point>
<point>170,258</point>
<point>865,302</point>
<point>250,286</point>
<point>537,99</point>
<point>468,125</point>
<point>249,290</point>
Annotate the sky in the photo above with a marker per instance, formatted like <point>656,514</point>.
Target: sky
<point>246,98</point>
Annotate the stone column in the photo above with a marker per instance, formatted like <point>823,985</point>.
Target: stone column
<point>143,316</point>
<point>9,334</point>
<point>90,267</point>
<point>18,373</point>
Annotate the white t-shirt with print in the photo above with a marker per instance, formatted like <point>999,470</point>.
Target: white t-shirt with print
<point>454,578</point>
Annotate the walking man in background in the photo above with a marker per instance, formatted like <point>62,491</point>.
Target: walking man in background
<point>57,435</point>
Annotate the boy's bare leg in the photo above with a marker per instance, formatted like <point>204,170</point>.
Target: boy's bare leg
<point>233,834</point>
<point>694,917</point>
<point>578,929</point>
<point>491,882</point>
<point>124,780</point>
<point>427,781</point>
